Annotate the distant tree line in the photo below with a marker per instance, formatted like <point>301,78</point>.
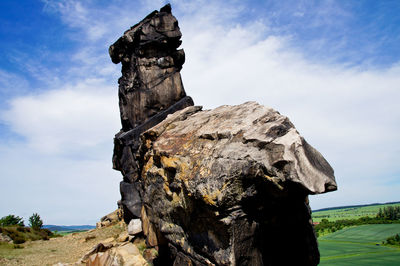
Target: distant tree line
<point>326,226</point>
<point>322,216</point>
<point>389,213</point>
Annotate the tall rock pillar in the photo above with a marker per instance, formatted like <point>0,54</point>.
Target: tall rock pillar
<point>149,89</point>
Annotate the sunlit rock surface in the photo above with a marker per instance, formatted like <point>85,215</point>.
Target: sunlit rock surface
<point>229,186</point>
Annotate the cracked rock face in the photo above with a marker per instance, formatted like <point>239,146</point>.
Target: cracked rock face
<point>150,88</point>
<point>150,80</point>
<point>229,186</point>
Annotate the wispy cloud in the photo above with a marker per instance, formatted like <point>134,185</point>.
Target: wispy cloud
<point>11,84</point>
<point>70,118</point>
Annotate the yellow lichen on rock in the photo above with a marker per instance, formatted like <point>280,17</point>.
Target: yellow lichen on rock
<point>175,198</point>
<point>170,162</point>
<point>275,181</point>
<point>208,199</point>
<point>148,165</point>
<point>166,188</point>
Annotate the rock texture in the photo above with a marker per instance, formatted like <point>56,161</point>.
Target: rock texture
<point>135,227</point>
<point>111,218</point>
<point>227,186</point>
<point>150,88</point>
<point>150,80</point>
<point>126,254</point>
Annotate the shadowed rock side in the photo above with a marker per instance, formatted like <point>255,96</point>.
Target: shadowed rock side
<point>229,186</point>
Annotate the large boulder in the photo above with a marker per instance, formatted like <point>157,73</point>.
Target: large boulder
<point>229,186</point>
<point>125,254</point>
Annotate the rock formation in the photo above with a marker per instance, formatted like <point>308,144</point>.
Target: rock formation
<point>150,80</point>
<point>227,186</point>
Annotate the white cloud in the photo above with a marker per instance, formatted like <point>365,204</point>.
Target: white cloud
<point>69,119</point>
<point>62,189</point>
<point>62,168</point>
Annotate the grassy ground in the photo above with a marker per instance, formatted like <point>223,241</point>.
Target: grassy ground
<point>69,248</point>
<point>381,258</point>
<point>360,245</point>
<point>64,233</point>
<point>349,213</point>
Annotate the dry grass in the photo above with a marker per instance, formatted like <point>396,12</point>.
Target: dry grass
<point>66,249</point>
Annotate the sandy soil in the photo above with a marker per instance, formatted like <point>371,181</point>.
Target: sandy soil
<point>66,249</point>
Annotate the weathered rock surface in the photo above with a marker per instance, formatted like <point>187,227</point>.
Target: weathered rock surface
<point>150,80</point>
<point>126,254</point>
<point>150,88</point>
<point>134,227</point>
<point>227,186</point>
<point>110,219</point>
<point>100,247</point>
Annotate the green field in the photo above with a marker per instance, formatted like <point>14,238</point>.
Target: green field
<point>370,233</point>
<point>360,245</point>
<point>349,212</point>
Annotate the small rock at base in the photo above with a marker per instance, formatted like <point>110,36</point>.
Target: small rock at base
<point>5,238</point>
<point>134,227</point>
<point>150,254</point>
<point>123,237</point>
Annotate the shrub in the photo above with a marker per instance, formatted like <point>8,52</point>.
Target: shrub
<point>393,240</point>
<point>44,234</point>
<point>47,231</point>
<point>19,240</point>
<point>11,232</point>
<point>22,229</point>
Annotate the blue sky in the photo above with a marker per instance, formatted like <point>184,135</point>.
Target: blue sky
<point>333,67</point>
